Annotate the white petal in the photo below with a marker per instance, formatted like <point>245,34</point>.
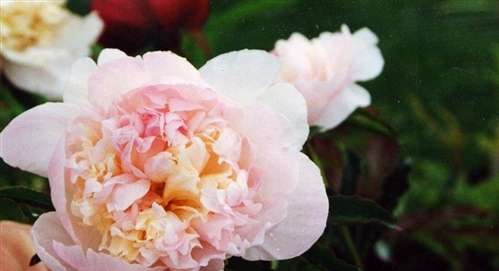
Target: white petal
<point>342,105</point>
<point>287,100</point>
<point>241,75</point>
<point>108,55</point>
<point>305,221</point>
<point>29,140</point>
<point>78,34</point>
<point>367,61</point>
<point>366,35</point>
<point>46,79</point>
<point>76,87</point>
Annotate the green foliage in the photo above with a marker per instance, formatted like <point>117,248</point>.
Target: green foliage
<point>355,210</point>
<point>22,204</point>
<point>27,196</point>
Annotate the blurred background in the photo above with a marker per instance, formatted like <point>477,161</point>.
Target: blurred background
<point>426,151</point>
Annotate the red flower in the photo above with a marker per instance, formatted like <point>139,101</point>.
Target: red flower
<point>133,24</point>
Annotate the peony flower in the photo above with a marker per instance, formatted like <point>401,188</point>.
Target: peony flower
<point>130,25</point>
<point>39,40</point>
<point>156,166</point>
<point>326,71</point>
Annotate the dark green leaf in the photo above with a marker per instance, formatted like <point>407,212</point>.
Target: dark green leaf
<point>323,257</point>
<point>318,258</point>
<point>31,212</point>
<point>81,7</point>
<point>356,210</point>
<point>25,195</point>
<point>9,210</point>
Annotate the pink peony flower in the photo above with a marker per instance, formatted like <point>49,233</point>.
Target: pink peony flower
<point>156,166</point>
<point>325,70</point>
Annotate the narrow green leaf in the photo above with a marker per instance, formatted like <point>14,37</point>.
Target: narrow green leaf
<point>25,195</point>
<point>356,210</point>
<point>371,123</point>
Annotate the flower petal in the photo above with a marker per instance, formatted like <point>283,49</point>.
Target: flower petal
<point>91,260</point>
<point>61,197</point>
<point>214,265</point>
<point>342,105</point>
<point>113,79</point>
<point>241,75</point>
<point>59,253</point>
<point>126,194</point>
<point>167,64</point>
<point>79,33</point>
<point>76,87</point>
<point>47,229</point>
<point>42,70</point>
<point>29,140</point>
<point>367,61</point>
<point>46,79</point>
<point>56,174</point>
<point>118,74</point>
<point>285,99</point>
<point>304,223</point>
<point>109,55</point>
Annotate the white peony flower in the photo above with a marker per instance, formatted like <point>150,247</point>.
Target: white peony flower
<point>39,41</point>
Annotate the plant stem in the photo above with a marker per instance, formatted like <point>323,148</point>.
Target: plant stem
<point>345,232</point>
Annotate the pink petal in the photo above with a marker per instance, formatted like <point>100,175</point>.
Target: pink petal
<point>167,64</point>
<point>214,265</point>
<point>91,260</point>
<point>59,253</point>
<point>286,100</point>
<point>274,182</point>
<point>113,79</point>
<point>342,105</point>
<point>29,140</point>
<point>124,195</point>
<point>46,230</point>
<point>117,74</point>
<point>241,75</point>
<point>60,194</point>
<point>58,188</point>
<point>305,221</point>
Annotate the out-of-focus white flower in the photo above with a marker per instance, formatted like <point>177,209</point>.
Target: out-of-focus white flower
<point>39,40</point>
